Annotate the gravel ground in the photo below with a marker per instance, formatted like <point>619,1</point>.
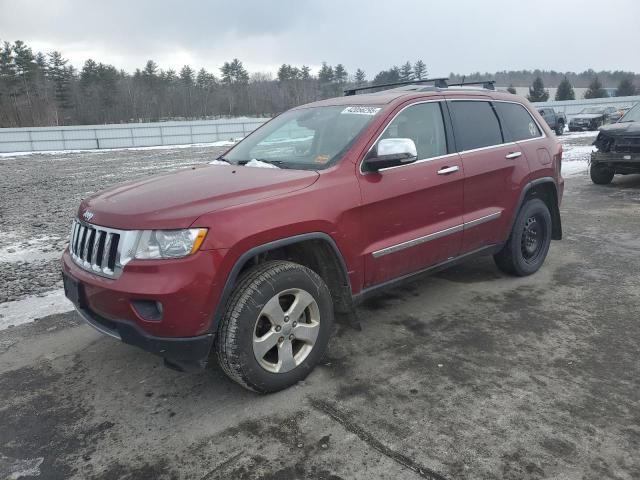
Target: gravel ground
<point>469,374</point>
<point>40,194</point>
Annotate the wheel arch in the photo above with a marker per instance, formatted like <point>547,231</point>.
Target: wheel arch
<point>546,190</point>
<point>316,250</point>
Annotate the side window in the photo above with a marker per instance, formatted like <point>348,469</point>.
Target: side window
<point>423,124</point>
<point>516,121</point>
<point>475,125</point>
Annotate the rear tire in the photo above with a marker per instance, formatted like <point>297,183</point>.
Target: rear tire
<point>528,245</point>
<point>601,174</point>
<point>276,327</point>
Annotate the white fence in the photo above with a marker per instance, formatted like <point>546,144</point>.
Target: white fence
<point>572,107</point>
<point>92,137</point>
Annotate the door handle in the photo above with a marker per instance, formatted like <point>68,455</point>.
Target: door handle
<point>448,170</point>
<point>513,155</point>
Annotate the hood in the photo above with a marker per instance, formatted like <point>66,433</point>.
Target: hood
<point>587,116</point>
<point>627,129</point>
<point>176,200</point>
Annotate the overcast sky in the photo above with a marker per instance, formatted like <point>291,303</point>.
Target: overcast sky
<point>456,36</point>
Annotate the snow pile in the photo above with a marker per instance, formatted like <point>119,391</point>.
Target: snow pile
<point>259,164</point>
<point>575,159</point>
<point>218,162</point>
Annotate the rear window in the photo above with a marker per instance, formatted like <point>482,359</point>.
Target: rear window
<point>516,122</point>
<point>475,125</point>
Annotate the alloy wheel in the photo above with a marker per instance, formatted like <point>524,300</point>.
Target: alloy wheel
<point>286,330</point>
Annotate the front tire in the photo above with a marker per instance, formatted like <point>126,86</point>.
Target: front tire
<point>276,327</point>
<point>560,128</point>
<point>528,244</point>
<point>601,174</point>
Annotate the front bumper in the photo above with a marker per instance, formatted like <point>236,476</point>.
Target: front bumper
<point>623,163</point>
<point>575,127</point>
<point>186,289</point>
<point>183,353</point>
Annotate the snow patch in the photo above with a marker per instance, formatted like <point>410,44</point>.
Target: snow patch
<point>260,164</point>
<point>37,248</point>
<point>34,307</point>
<point>15,468</point>
<point>220,143</point>
<point>580,134</point>
<point>218,162</point>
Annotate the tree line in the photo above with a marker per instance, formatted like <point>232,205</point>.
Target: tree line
<point>538,93</point>
<point>38,89</point>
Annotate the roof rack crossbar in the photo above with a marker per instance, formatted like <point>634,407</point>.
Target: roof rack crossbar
<point>437,82</point>
<point>487,84</point>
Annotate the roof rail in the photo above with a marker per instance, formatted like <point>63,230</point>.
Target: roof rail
<point>486,84</point>
<point>437,82</point>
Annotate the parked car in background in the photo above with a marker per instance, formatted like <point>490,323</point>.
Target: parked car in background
<point>618,114</point>
<point>591,118</point>
<point>618,149</point>
<point>555,120</point>
<point>249,264</point>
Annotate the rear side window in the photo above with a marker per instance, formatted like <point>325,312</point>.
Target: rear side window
<point>516,122</point>
<point>475,125</point>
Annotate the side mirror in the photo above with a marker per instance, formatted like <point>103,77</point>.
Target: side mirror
<point>390,152</point>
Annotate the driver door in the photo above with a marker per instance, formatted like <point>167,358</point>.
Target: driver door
<point>412,214</point>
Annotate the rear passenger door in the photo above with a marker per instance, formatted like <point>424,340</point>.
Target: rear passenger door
<point>495,170</point>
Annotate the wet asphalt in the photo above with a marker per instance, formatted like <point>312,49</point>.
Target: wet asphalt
<point>468,374</point>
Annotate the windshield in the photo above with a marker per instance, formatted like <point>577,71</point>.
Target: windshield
<point>593,110</point>
<point>309,139</point>
<point>632,115</point>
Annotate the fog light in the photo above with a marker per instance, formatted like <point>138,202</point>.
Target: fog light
<point>149,310</point>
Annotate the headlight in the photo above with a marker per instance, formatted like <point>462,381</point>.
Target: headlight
<point>169,243</point>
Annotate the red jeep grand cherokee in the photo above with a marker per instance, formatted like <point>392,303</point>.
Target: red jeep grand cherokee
<point>360,192</point>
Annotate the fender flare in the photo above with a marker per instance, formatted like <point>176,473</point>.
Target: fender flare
<point>266,247</point>
<point>555,214</point>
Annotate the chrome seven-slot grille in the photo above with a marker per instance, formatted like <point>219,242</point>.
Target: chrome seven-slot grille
<point>95,248</point>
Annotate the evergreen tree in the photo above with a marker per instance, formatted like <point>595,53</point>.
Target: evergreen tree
<point>234,72</point>
<point>24,61</point>
<point>88,74</point>
<point>537,93</point>
<point>360,77</point>
<point>626,88</point>
<point>420,70</point>
<point>511,89</point>
<point>150,70</point>
<point>565,90</point>
<point>406,72</point>
<point>305,72</point>
<point>7,68</point>
<point>186,76</point>
<point>595,89</point>
<point>61,76</point>
<point>205,79</point>
<point>340,74</point>
<point>387,76</point>
<point>287,73</point>
<point>325,75</point>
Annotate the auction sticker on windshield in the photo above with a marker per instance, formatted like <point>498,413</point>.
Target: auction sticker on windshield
<point>361,110</point>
